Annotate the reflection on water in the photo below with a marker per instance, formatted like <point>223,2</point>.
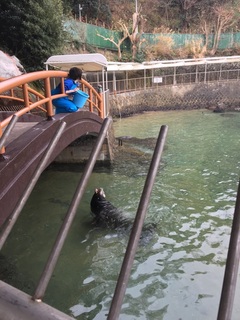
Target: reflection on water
<point>177,274</point>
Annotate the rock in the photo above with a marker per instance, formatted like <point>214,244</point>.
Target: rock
<point>219,108</point>
<point>10,66</point>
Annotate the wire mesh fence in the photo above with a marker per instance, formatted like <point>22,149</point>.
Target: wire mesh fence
<point>171,77</point>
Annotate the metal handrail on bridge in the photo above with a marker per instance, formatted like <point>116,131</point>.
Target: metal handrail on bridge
<point>18,89</point>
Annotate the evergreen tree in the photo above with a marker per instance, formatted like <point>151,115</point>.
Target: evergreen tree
<point>31,30</point>
<point>68,6</point>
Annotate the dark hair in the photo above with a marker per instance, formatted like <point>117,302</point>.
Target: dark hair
<point>75,73</point>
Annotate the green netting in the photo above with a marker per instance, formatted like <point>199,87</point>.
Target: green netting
<point>100,37</point>
<point>181,40</point>
<point>236,39</point>
<point>93,35</point>
<point>226,41</point>
<point>76,30</point>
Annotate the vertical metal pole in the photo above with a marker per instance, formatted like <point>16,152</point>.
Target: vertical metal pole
<point>232,265</point>
<point>114,83</point>
<point>205,73</point>
<point>144,72</point>
<point>103,80</point>
<point>8,130</point>
<point>25,95</point>
<point>13,218</point>
<point>196,77</point>
<point>52,260</point>
<point>137,228</point>
<point>48,95</point>
<point>126,81</point>
<point>106,86</point>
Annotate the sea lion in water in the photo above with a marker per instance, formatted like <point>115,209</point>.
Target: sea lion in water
<point>105,213</point>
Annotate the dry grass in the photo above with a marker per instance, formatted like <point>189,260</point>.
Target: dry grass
<point>194,49</point>
<point>163,48</point>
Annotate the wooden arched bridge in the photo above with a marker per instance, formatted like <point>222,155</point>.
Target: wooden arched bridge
<point>20,157</point>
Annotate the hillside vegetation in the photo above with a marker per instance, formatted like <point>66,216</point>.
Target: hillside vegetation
<point>184,16</point>
<point>165,18</point>
<point>33,30</point>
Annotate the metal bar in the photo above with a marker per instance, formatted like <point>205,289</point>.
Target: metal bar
<point>137,228</point>
<point>52,260</point>
<point>17,305</point>
<point>232,265</point>
<point>8,130</point>
<point>48,95</point>
<point>25,95</point>
<point>42,163</point>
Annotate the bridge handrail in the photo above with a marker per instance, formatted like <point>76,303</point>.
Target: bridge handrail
<point>21,82</point>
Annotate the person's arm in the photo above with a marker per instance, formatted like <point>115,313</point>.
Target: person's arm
<point>70,86</point>
<point>71,90</point>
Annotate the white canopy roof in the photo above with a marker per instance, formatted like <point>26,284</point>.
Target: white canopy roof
<point>87,62</point>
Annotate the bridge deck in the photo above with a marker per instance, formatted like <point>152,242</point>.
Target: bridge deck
<point>19,129</point>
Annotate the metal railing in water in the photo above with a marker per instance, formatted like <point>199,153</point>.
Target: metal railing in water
<point>137,228</point>
<point>33,308</point>
<point>18,89</point>
<point>232,265</point>
<point>63,232</point>
<point>16,212</point>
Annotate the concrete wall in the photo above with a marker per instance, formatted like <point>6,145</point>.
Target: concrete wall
<point>80,150</point>
<point>192,96</point>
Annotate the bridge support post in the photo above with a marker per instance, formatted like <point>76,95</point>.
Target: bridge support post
<point>48,95</point>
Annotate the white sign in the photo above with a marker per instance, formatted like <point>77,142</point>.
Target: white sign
<point>157,79</point>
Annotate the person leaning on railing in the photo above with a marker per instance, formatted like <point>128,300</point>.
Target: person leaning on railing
<point>65,104</point>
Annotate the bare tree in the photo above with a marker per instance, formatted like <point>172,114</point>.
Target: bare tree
<point>206,26</point>
<point>187,4</point>
<point>133,35</point>
<point>123,28</point>
<point>224,18</point>
<point>166,4</point>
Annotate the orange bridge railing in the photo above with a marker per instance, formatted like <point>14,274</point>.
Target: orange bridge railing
<point>18,90</point>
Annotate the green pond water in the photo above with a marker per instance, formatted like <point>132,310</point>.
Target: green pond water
<point>178,272</point>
